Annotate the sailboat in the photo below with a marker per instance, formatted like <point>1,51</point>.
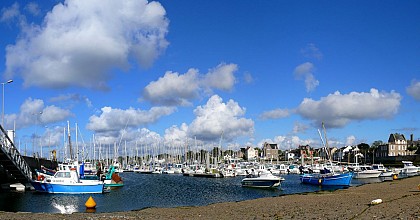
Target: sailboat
<point>327,177</point>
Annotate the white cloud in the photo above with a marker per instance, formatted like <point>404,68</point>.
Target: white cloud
<point>216,117</point>
<point>79,42</point>
<point>173,89</point>
<point>299,127</point>
<point>114,120</point>
<point>337,110</point>
<point>305,71</point>
<point>33,8</point>
<point>71,97</point>
<point>311,51</point>
<point>222,77</point>
<point>10,13</point>
<point>274,114</point>
<point>350,140</point>
<point>248,78</point>
<point>177,136</point>
<point>34,112</point>
<point>287,142</point>
<point>414,89</point>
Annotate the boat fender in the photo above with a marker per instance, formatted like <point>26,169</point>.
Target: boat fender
<point>376,201</point>
<point>41,177</point>
<point>320,181</point>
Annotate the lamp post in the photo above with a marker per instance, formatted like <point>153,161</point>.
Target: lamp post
<point>2,111</point>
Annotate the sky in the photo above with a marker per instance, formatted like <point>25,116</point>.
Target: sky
<point>208,73</point>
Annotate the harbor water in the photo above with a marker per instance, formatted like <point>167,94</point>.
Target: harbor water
<point>152,190</point>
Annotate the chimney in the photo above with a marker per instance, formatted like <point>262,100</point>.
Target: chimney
<point>411,138</point>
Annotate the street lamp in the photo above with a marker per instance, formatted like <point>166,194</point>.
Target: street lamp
<point>2,112</point>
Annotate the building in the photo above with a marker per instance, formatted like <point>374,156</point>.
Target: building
<point>250,153</point>
<point>271,151</point>
<point>397,145</point>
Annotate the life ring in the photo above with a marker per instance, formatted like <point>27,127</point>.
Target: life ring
<point>41,177</point>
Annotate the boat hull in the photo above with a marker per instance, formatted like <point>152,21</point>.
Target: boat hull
<point>343,179</point>
<point>77,188</point>
<point>367,174</point>
<point>261,182</point>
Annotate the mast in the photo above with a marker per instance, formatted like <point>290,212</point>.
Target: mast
<point>69,138</point>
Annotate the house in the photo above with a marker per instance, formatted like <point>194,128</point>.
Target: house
<point>270,151</point>
<point>397,145</point>
<point>250,153</point>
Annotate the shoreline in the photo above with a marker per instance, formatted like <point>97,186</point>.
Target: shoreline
<point>400,200</point>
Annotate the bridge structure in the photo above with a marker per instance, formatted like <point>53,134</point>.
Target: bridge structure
<point>12,161</point>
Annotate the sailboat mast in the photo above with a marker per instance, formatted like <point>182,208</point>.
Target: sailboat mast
<point>69,138</point>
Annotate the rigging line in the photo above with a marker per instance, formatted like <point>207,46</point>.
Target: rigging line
<point>122,135</point>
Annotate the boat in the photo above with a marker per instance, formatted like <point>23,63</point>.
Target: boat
<point>262,180</point>
<point>112,179</point>
<point>326,178</point>
<point>384,171</point>
<point>409,168</point>
<point>365,171</point>
<point>67,182</point>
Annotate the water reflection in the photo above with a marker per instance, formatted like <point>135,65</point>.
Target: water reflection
<point>142,191</point>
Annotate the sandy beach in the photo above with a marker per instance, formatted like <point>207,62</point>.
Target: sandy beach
<point>400,200</point>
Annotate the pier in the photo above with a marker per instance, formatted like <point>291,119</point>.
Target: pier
<point>16,171</point>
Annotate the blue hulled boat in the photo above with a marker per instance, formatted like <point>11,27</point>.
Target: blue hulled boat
<point>327,179</point>
<point>67,181</point>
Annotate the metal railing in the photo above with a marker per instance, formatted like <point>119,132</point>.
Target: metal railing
<point>14,156</point>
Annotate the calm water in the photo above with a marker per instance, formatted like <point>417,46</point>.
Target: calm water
<point>148,190</point>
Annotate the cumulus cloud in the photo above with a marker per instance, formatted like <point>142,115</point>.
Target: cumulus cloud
<point>305,71</point>
<point>337,110</point>
<point>115,120</point>
<point>274,114</point>
<point>177,136</point>
<point>216,118</point>
<point>34,112</point>
<point>79,42</point>
<point>221,77</point>
<point>174,89</point>
<point>414,89</point>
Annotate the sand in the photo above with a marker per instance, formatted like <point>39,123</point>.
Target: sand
<point>400,200</point>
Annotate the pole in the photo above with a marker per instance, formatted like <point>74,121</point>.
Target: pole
<point>2,111</point>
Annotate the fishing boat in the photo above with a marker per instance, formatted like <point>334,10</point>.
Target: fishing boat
<point>327,179</point>
<point>262,180</point>
<point>68,182</point>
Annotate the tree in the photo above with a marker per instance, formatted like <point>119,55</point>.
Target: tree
<point>363,148</point>
<point>373,147</point>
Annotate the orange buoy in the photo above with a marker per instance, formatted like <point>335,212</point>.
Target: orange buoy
<point>395,176</point>
<point>90,203</point>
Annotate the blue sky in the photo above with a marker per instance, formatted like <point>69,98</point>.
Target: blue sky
<point>185,72</point>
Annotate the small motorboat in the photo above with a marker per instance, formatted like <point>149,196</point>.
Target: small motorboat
<point>262,180</point>
<point>67,181</point>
